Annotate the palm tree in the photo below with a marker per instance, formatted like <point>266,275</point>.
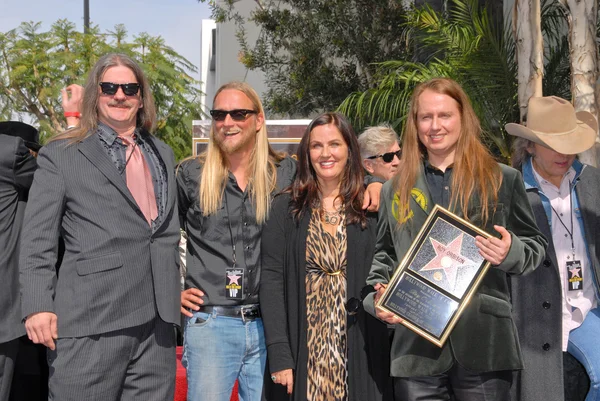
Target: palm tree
<point>466,44</point>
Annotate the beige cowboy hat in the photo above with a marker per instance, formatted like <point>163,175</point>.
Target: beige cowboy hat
<point>553,123</point>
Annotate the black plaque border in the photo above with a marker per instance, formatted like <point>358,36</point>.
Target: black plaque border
<point>438,212</point>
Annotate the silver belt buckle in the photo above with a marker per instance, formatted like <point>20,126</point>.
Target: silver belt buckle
<point>243,310</point>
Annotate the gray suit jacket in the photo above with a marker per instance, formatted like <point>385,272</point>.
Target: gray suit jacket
<point>537,299</point>
<point>17,166</point>
<point>116,273</point>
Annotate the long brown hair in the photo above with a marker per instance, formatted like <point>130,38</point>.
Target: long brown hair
<point>475,171</point>
<point>305,190</point>
<point>146,115</point>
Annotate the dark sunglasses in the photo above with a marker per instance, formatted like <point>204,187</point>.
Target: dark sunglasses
<point>354,304</point>
<point>236,115</point>
<point>108,88</point>
<point>387,157</point>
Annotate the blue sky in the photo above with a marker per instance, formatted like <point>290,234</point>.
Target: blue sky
<point>177,21</point>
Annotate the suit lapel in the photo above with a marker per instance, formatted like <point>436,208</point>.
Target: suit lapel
<point>164,153</point>
<point>91,148</point>
<point>586,197</point>
<point>542,222</point>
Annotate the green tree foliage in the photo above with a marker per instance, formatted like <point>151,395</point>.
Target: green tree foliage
<point>468,45</point>
<point>36,65</point>
<point>316,52</point>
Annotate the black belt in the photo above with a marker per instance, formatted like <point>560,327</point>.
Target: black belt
<point>242,311</point>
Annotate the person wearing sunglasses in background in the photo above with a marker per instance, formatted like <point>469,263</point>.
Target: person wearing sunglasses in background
<point>317,246</point>
<point>108,188</point>
<point>380,151</point>
<point>224,197</point>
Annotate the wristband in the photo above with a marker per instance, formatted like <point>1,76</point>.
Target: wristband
<point>75,114</point>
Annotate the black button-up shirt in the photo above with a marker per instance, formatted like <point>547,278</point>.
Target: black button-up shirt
<point>438,182</point>
<point>116,150</point>
<point>211,238</point>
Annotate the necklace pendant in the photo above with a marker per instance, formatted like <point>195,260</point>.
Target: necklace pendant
<point>332,219</point>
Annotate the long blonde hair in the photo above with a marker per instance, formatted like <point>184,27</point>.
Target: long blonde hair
<point>146,115</point>
<point>475,171</point>
<point>262,168</point>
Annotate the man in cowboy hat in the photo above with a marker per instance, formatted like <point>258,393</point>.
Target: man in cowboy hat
<point>17,165</point>
<point>556,307</point>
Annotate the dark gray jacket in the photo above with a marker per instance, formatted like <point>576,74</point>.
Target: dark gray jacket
<point>116,272</point>
<point>484,338</point>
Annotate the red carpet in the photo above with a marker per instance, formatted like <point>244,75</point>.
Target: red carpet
<point>181,382</point>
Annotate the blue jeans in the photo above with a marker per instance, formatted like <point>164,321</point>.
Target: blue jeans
<point>584,345</point>
<point>217,351</point>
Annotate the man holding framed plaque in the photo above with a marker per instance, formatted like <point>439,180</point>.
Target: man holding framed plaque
<point>444,163</point>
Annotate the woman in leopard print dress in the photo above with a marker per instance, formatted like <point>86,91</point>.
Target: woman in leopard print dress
<point>317,247</point>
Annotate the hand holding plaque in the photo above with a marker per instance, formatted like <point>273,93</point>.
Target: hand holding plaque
<point>437,277</point>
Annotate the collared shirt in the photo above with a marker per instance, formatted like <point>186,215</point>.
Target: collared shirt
<point>576,304</point>
<point>438,182</point>
<point>211,238</point>
<point>116,150</point>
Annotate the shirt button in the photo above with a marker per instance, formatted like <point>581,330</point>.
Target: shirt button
<point>247,247</point>
<point>446,187</point>
<point>546,347</point>
<point>245,223</point>
<point>565,235</point>
<point>547,263</point>
<point>546,305</point>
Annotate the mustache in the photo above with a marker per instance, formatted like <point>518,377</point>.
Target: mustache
<point>119,103</point>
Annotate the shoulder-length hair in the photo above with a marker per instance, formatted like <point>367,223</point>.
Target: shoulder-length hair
<point>305,192</point>
<point>262,168</point>
<point>475,172</point>
<point>146,115</point>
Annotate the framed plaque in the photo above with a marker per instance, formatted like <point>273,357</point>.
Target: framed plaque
<point>437,277</point>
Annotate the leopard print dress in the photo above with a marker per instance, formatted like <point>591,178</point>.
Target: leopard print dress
<point>326,312</point>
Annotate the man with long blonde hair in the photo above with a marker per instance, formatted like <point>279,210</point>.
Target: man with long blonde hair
<point>443,162</point>
<point>224,199</point>
<point>107,187</point>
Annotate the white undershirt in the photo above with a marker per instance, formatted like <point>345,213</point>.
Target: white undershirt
<point>576,304</point>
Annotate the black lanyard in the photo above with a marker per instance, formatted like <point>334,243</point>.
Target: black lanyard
<point>233,239</point>
<point>571,213</point>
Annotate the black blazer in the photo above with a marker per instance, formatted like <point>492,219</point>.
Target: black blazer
<point>17,166</point>
<point>283,305</point>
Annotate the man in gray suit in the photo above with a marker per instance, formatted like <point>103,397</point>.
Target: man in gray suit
<point>17,165</point>
<point>107,187</point>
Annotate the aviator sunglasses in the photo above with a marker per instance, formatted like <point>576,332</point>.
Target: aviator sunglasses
<point>387,157</point>
<point>109,88</point>
<point>236,115</point>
